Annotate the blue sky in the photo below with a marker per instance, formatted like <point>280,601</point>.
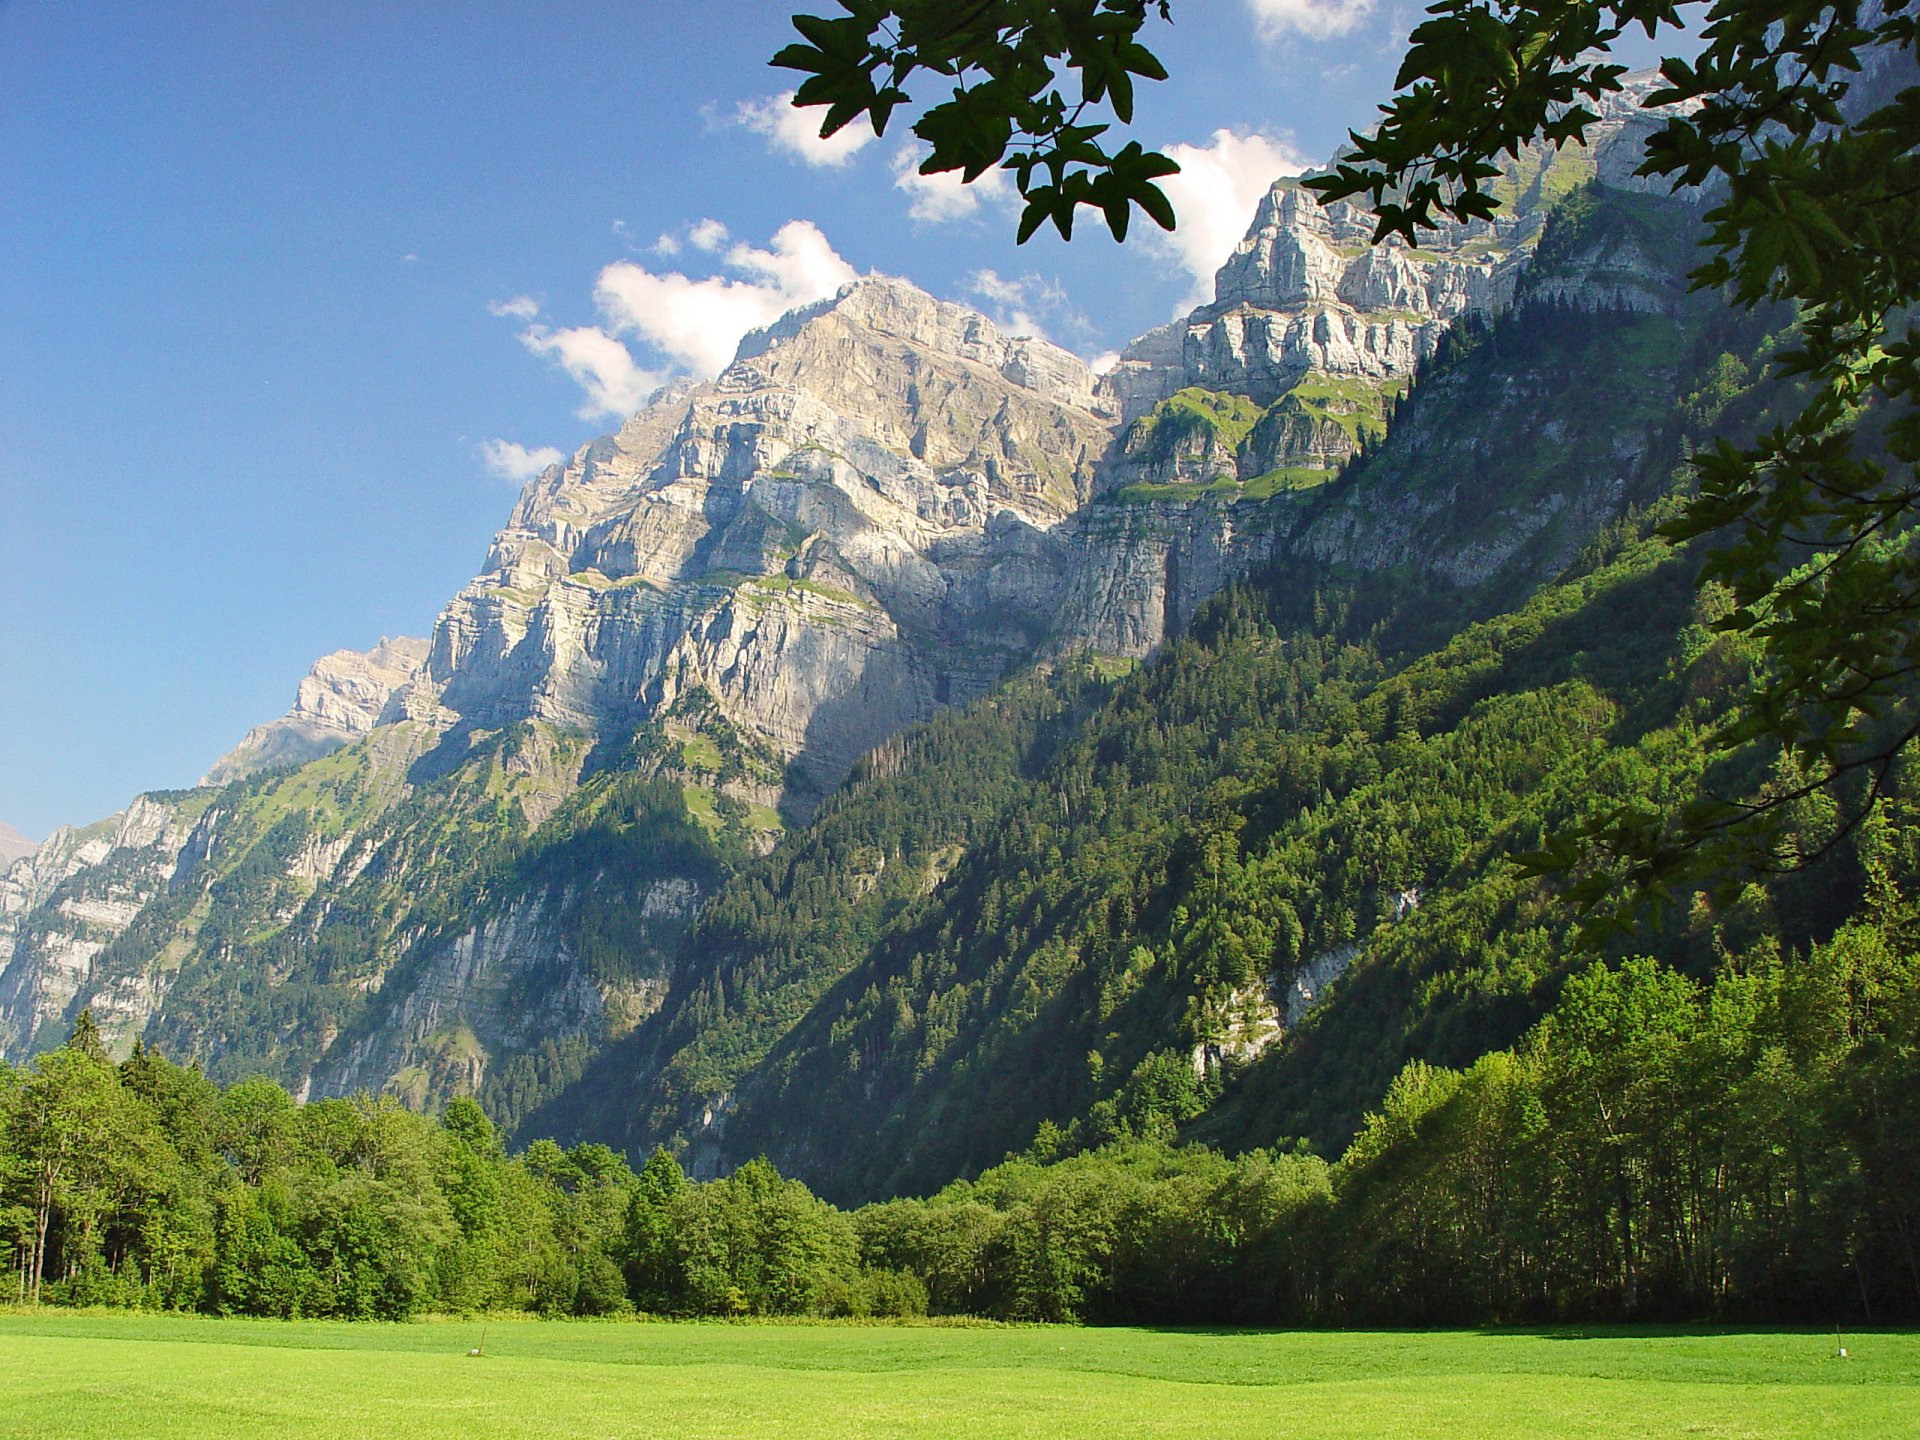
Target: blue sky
<point>285,286</point>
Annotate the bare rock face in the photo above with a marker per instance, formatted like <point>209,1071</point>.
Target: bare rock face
<point>66,902</point>
<point>1306,292</point>
<point>343,697</point>
<point>824,544</point>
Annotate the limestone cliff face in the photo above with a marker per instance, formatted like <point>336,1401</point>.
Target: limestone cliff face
<point>1306,292</point>
<point>344,696</point>
<point>67,901</point>
<point>833,538</point>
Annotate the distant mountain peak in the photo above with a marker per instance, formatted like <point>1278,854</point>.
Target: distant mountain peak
<point>14,845</point>
<point>341,698</point>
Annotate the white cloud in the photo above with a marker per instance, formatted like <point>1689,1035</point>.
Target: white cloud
<point>520,307</point>
<point>797,132</point>
<point>1214,196</point>
<point>936,199</point>
<point>515,462</point>
<point>1104,361</point>
<point>666,245</point>
<point>800,264</point>
<point>697,324</point>
<point>604,367</point>
<point>693,326</point>
<point>1027,304</point>
<point>991,285</point>
<point>1315,19</point>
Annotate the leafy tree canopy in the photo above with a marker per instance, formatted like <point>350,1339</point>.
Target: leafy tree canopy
<point>1008,105</point>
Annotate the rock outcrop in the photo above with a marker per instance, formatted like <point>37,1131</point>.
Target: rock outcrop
<point>845,530</point>
<point>67,901</point>
<point>343,697</point>
<point>1306,292</point>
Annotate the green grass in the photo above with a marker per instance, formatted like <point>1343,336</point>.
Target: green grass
<point>1194,411</point>
<point>787,585</point>
<point>698,752</point>
<point>699,803</point>
<point>1356,406</point>
<point>1286,478</point>
<point>96,1375</point>
<point>1148,492</point>
<point>1262,487</point>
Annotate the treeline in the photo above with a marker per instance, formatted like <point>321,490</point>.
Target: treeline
<point>1656,1147</point>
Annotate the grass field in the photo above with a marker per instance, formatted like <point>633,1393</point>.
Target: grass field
<point>115,1375</point>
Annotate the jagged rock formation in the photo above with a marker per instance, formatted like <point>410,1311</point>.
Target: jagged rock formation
<point>845,530</point>
<point>1307,293</point>
<point>61,905</point>
<point>343,697</point>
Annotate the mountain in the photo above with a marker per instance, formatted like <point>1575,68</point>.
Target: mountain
<point>342,698</point>
<point>812,756</point>
<point>1236,889</point>
<point>14,845</point>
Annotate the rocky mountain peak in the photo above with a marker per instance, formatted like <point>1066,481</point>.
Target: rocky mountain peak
<point>891,309</point>
<point>825,542</point>
<point>1307,293</point>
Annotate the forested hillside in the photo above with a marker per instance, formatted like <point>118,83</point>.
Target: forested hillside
<point>1228,895</point>
<point>1656,1146</point>
<point>1218,983</point>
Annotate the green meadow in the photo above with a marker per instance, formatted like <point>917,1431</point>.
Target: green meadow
<point>114,1375</point>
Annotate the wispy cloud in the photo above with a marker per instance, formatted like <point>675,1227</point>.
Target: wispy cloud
<point>520,307</point>
<point>515,462</point>
<point>797,132</point>
<point>693,325</point>
<point>600,364</point>
<point>697,324</point>
<point>1027,305</point>
<point>1214,196</point>
<point>943,197</point>
<point>1315,19</point>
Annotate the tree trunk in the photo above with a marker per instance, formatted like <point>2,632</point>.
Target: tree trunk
<point>41,1219</point>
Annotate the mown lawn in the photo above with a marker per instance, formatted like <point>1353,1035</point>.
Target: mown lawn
<point>114,1376</point>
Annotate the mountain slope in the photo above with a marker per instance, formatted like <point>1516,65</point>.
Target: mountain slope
<point>508,873</point>
<point>13,845</point>
<point>1146,883</point>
